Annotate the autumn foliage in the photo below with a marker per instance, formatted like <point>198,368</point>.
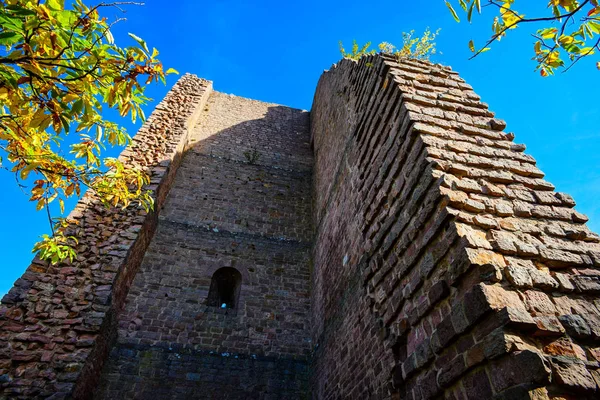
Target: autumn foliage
<point>59,69</point>
<point>569,32</point>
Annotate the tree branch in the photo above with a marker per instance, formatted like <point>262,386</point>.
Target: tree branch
<point>587,53</point>
<point>524,20</point>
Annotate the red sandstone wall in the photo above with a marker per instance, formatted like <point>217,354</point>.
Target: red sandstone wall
<point>223,211</point>
<point>58,323</point>
<point>444,265</point>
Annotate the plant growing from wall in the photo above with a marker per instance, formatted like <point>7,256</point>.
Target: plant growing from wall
<point>569,32</point>
<point>58,68</point>
<point>252,156</point>
<point>421,48</point>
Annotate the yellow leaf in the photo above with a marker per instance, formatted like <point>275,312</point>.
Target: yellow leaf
<point>38,118</point>
<point>69,97</point>
<point>41,203</point>
<point>565,39</point>
<point>454,14</point>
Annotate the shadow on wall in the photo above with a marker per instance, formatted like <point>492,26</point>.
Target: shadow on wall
<point>58,322</point>
<point>240,204</point>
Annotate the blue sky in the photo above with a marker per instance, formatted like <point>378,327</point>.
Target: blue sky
<point>275,51</point>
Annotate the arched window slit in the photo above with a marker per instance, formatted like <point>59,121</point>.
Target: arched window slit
<point>225,288</point>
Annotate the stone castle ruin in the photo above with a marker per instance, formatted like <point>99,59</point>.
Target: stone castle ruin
<point>393,243</point>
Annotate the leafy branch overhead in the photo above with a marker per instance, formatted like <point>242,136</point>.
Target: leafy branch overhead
<point>421,48</point>
<point>58,68</point>
<point>571,30</point>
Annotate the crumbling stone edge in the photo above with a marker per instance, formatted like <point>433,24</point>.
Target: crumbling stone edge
<point>478,279</point>
<point>58,323</point>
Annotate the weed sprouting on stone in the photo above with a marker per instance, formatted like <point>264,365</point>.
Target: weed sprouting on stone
<point>252,156</point>
<point>420,48</point>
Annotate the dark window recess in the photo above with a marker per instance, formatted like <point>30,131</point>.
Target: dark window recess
<point>225,288</point>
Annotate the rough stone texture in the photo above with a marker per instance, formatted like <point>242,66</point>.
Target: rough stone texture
<point>225,212</point>
<point>417,253</point>
<point>444,265</point>
<point>58,322</point>
<point>157,373</point>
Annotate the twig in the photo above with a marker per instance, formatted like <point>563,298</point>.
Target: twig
<point>524,20</point>
<point>587,53</point>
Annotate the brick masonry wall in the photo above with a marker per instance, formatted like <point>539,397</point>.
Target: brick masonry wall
<point>444,265</point>
<point>224,211</point>
<point>58,322</point>
<point>154,373</point>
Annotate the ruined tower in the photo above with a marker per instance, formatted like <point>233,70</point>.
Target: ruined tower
<point>393,243</point>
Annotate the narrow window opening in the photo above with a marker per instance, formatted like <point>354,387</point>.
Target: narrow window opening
<point>225,288</point>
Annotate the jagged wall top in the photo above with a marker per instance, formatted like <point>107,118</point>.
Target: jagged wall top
<point>58,322</point>
<point>468,265</point>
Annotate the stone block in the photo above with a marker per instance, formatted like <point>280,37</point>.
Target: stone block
<point>575,325</point>
<point>574,375</point>
<point>522,367</point>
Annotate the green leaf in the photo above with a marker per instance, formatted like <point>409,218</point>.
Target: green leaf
<point>65,123</point>
<point>547,33</point>
<point>77,107</point>
<point>67,18</point>
<point>9,38</point>
<point>556,11</point>
<point>470,13</point>
<point>172,71</point>
<point>478,5</point>
<point>55,5</point>
<point>454,14</point>
<point>9,22</point>
<point>109,37</point>
<point>472,46</point>
<point>140,41</point>
<point>20,11</point>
